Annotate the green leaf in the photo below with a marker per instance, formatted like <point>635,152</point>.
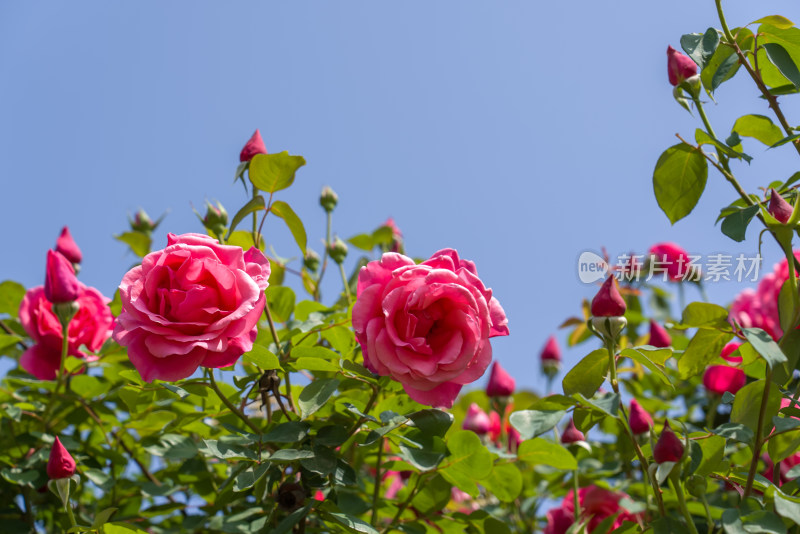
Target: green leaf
<point>724,64</point>
<point>431,421</point>
<point>121,528</point>
<point>274,172</point>
<point>700,47</point>
<point>316,394</point>
<point>713,452</point>
<point>747,404</point>
<point>139,242</point>
<point>292,519</point>
<point>8,341</point>
<point>735,225</point>
<point>290,432</point>
<point>758,127</point>
<point>262,357</point>
<point>532,423</point>
<point>505,482</point>
<point>778,21</point>
<point>538,451</point>
<point>353,524</point>
<point>679,180</point>
<point>362,241</point>
<point>735,431</point>
<point>102,517</point>
<point>765,346</point>
<point>11,294</point>
<point>226,449</point>
<point>293,222</point>
<point>323,462</point>
<point>703,314</point>
<point>256,203</point>
<point>290,455</point>
<point>779,57</point>
<point>247,478</point>
<point>315,364</point>
<point>642,358</point>
<point>468,455</point>
<point>786,506</point>
<point>702,138</point>
<point>704,347</point>
<point>786,140</point>
<point>588,375</point>
<point>173,447</point>
<point>280,300</point>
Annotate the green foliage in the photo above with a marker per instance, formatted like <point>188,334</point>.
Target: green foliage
<point>679,180</point>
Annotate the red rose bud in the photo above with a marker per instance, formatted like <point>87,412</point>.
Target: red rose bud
<point>608,302</point>
<point>669,448</point>
<point>658,336</point>
<point>501,384</point>
<point>551,351</point>
<point>476,420</point>
<point>721,378</point>
<point>255,145</point>
<point>328,199</point>
<point>639,419</point>
<point>779,208</point>
<point>67,246</point>
<point>61,464</point>
<point>60,284</point>
<point>729,349</point>
<point>495,426</point>
<point>679,66</point>
<point>572,434</point>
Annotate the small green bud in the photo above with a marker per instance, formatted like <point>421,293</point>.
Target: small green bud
<point>338,250</point>
<point>608,327</point>
<point>216,218</point>
<point>311,260</point>
<point>142,222</point>
<point>697,486</point>
<point>328,199</point>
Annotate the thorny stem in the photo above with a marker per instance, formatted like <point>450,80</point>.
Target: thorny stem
<point>759,442</point>
<point>771,99</point>
<point>238,413</point>
<point>612,350</point>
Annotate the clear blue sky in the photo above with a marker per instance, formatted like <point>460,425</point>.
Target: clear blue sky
<point>520,133</point>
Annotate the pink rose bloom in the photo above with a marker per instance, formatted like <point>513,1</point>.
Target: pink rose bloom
<point>195,303</point>
<point>671,258</point>
<point>427,326</point>
<point>679,66</point>
<point>759,308</point>
<point>596,504</point>
<point>90,326</point>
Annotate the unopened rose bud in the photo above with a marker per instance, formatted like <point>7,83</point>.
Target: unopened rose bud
<point>328,199</point>
<point>572,434</point>
<point>658,336</point>
<point>142,222</point>
<point>639,419</point>
<point>61,464</point>
<point>255,145</point>
<point>476,420</point>
<point>669,448</point>
<point>779,208</point>
<point>60,284</point>
<point>501,384</point>
<point>723,378</point>
<point>679,66</point>
<point>291,496</point>
<point>311,260</point>
<point>697,486</point>
<point>550,357</point>
<point>68,248</point>
<point>216,218</point>
<point>338,250</point>
<point>608,302</point>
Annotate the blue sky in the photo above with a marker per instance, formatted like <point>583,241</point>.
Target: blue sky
<point>520,133</point>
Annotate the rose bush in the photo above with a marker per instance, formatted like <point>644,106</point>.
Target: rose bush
<point>195,303</point>
<point>428,325</point>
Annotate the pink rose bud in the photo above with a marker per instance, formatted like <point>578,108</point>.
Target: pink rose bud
<point>669,448</point>
<point>551,351</point>
<point>639,419</point>
<point>608,302</point>
<point>67,246</point>
<point>476,420</point>
<point>729,349</point>
<point>679,66</point>
<point>60,284</point>
<point>61,464</point>
<point>501,384</point>
<point>779,208</point>
<point>495,426</point>
<point>255,145</point>
<point>721,378</point>
<point>659,336</point>
<point>319,496</point>
<point>572,434</point>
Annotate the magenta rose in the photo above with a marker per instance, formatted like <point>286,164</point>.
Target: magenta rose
<point>195,303</point>
<point>428,325</point>
<point>90,327</point>
<point>596,503</point>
